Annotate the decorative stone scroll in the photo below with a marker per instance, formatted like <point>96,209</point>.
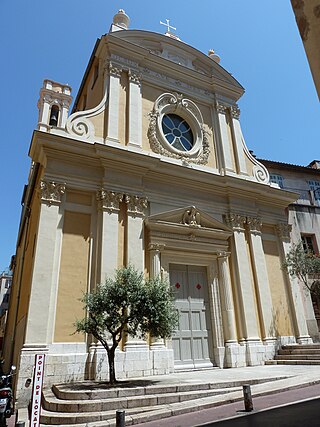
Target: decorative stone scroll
<point>191,217</point>
<point>235,221</point>
<point>109,200</point>
<point>136,205</point>
<point>52,192</point>
<point>254,224</point>
<point>283,230</point>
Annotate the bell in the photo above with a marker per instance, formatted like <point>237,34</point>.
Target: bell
<point>54,116</point>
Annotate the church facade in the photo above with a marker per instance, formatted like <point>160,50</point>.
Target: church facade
<point>151,168</point>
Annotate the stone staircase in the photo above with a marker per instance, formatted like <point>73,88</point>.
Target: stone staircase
<point>297,354</point>
<point>90,404</point>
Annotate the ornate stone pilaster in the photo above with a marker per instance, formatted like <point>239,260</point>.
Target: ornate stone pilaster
<point>108,204</point>
<point>227,298</point>
<point>294,289</point>
<point>109,200</point>
<point>45,272</point>
<point>51,192</point>
<point>136,207</point>
<point>242,267</point>
<point>113,110</point>
<point>135,110</point>
<point>259,267</point>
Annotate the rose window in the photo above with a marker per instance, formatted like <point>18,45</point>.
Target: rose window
<point>177,132</point>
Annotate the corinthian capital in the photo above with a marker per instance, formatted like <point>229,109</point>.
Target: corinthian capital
<point>109,200</point>
<point>134,77</point>
<point>136,205</point>
<point>283,230</point>
<point>221,108</point>
<point>235,221</point>
<point>52,192</point>
<point>254,224</point>
<point>115,70</point>
<point>235,111</point>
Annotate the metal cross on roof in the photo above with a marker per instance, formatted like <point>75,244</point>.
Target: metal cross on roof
<point>167,24</point>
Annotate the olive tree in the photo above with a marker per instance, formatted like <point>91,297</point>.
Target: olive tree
<point>128,304</point>
<point>303,265</point>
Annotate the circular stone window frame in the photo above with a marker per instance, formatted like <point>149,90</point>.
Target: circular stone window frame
<point>173,103</point>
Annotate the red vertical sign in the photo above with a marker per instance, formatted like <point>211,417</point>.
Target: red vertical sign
<point>37,390</point>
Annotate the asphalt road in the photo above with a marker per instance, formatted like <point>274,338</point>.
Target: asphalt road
<point>306,414</point>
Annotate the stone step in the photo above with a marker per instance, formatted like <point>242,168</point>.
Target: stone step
<point>49,418</point>
<point>292,362</point>
<point>302,351</point>
<point>89,390</point>
<point>297,357</point>
<point>51,403</point>
<point>301,346</point>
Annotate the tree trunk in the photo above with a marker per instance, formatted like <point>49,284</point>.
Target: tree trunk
<point>112,371</point>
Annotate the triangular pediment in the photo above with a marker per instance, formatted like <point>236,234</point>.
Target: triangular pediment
<point>188,217</point>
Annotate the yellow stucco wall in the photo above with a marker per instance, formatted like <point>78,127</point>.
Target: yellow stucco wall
<point>22,278</point>
<point>282,324</point>
<point>73,274</point>
<point>79,198</point>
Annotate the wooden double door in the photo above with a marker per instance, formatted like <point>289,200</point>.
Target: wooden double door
<point>191,340</point>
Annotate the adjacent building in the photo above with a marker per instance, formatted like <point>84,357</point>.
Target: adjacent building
<point>151,168</point>
<point>5,288</point>
<point>304,217</point>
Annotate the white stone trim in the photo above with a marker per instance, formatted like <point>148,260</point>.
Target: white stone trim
<point>135,110</point>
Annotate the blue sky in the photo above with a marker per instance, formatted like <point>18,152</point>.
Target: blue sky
<point>258,43</point>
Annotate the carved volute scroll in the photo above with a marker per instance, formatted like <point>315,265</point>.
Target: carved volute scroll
<point>109,200</point>
<point>52,192</point>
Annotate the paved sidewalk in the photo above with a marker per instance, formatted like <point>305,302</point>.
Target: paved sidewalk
<point>293,377</point>
<point>236,409</point>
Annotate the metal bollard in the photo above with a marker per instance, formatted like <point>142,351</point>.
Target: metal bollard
<point>20,424</point>
<point>120,418</point>
<point>248,405</point>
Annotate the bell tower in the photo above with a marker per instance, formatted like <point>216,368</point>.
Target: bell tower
<point>54,103</point>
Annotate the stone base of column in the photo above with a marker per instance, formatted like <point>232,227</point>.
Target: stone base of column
<point>304,339</point>
<point>219,355</point>
<point>255,352</point>
<point>235,355</point>
<point>313,330</point>
<point>270,347</point>
<point>157,344</point>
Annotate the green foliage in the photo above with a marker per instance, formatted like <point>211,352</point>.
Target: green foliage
<point>128,303</point>
<point>303,265</point>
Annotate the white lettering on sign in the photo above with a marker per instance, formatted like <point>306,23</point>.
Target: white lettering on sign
<point>37,390</point>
